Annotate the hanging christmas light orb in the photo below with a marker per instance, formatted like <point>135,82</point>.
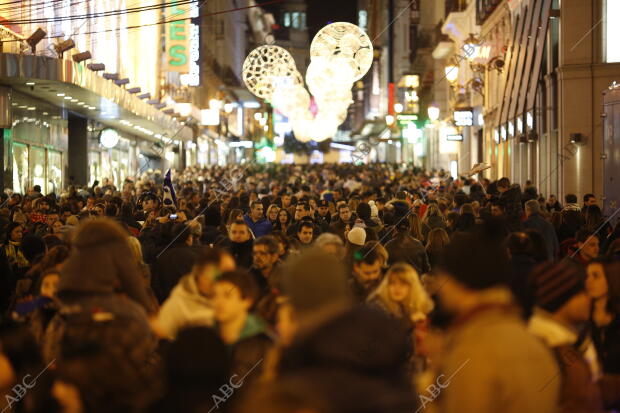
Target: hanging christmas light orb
<point>265,66</point>
<point>347,41</point>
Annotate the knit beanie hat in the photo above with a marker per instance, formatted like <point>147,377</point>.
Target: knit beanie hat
<point>554,285</point>
<point>357,236</point>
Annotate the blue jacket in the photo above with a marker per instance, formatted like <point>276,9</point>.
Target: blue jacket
<point>259,228</point>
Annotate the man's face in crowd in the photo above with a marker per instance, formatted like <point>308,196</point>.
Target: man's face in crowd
<point>44,206</point>
<point>368,275</point>
<point>345,214</point>
<point>286,201</point>
<point>263,259</point>
<point>591,201</point>
<point>228,304</point>
<point>90,203</point>
<point>239,233</point>
<point>257,212</point>
<point>300,212</point>
<point>497,211</point>
<point>552,199</point>
<point>305,235</point>
<point>589,249</point>
<point>98,211</point>
<point>323,210</point>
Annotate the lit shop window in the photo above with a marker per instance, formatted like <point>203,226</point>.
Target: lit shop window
<point>20,168</point>
<point>54,171</point>
<point>612,31</point>
<point>287,19</point>
<point>362,19</point>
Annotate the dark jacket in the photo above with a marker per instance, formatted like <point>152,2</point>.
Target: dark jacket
<point>363,348</point>
<point>546,229</point>
<point>514,210</point>
<point>607,342</point>
<point>521,267</point>
<point>212,235</point>
<point>338,226</point>
<point>407,249</point>
<point>169,268</point>
<point>241,252</point>
<point>260,227</point>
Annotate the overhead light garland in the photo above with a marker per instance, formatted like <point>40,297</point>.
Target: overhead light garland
<point>341,54</point>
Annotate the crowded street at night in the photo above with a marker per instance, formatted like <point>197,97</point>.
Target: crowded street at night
<point>302,206</point>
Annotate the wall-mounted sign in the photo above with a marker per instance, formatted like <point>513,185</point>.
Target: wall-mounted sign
<point>404,119</point>
<point>183,42</point>
<point>463,117</point>
<point>456,138</point>
<point>177,38</point>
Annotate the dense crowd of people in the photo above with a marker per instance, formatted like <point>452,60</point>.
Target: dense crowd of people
<point>316,288</point>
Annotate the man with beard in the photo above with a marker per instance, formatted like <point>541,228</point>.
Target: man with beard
<point>367,274</point>
<point>339,226</point>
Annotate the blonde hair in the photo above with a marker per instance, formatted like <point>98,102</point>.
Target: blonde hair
<point>416,227</point>
<point>136,248</point>
<point>272,206</point>
<point>417,305</point>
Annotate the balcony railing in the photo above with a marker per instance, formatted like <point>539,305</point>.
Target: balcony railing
<point>484,8</point>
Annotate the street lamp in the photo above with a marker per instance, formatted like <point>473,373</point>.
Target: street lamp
<point>433,113</point>
<point>398,107</point>
<point>452,73</point>
<point>389,120</point>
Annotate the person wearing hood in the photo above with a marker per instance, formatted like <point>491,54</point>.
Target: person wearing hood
<point>256,220</point>
<point>234,295</point>
<point>98,278</point>
<point>239,243</point>
<point>335,341</point>
<point>364,212</point>
<point>190,302</point>
<point>511,196</point>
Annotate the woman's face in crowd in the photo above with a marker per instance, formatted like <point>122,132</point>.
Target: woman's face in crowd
<point>398,290</point>
<point>282,217</point>
<point>273,214</point>
<point>49,285</point>
<point>98,211</point>
<point>596,283</point>
<point>17,234</point>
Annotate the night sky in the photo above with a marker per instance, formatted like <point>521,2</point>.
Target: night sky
<point>322,12</point>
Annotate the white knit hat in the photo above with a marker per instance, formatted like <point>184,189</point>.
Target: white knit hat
<point>374,211</point>
<point>357,236</point>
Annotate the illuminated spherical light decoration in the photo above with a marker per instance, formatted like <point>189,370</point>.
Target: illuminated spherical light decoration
<point>347,41</point>
<point>109,138</point>
<point>267,65</point>
<point>341,53</point>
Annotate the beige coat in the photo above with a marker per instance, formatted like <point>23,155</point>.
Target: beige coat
<point>492,364</point>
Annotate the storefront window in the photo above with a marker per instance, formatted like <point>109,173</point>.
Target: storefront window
<point>54,171</point>
<point>20,168</point>
<point>94,167</point>
<point>37,165</point>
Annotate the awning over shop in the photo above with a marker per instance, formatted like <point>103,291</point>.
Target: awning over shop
<point>371,128</point>
<point>89,95</point>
